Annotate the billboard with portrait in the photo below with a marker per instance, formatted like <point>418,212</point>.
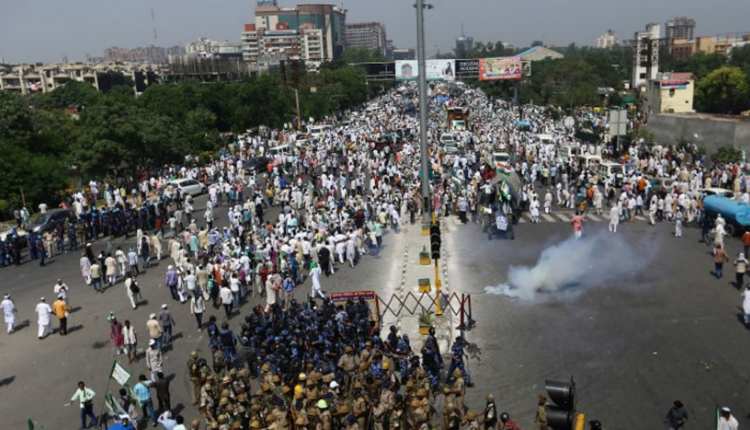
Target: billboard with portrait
<point>441,70</point>
<point>492,69</point>
<point>436,70</point>
<point>407,70</point>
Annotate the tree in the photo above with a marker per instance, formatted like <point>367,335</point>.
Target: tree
<point>33,147</point>
<point>73,93</point>
<point>724,90</point>
<point>726,154</point>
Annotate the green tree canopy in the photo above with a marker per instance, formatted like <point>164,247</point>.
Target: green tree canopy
<point>724,90</point>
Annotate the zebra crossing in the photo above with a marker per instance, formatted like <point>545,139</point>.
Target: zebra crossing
<point>566,216</point>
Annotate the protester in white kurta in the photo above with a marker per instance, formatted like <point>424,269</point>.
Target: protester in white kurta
<point>9,313</point>
<point>43,312</point>
<point>315,272</point>
<point>614,218</point>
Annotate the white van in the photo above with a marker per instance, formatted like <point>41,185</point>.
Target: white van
<point>448,139</point>
<point>317,131</point>
<point>279,150</point>
<point>545,139</point>
<point>590,161</point>
<point>608,169</point>
<point>501,161</point>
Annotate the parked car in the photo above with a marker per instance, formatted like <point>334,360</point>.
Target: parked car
<point>189,186</point>
<point>48,221</point>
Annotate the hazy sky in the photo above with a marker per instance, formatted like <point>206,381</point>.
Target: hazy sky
<point>46,30</point>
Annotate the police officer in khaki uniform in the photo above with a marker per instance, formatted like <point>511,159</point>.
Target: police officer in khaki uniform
<point>195,377</point>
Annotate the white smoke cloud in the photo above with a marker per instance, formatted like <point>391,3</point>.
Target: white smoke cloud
<point>574,265</point>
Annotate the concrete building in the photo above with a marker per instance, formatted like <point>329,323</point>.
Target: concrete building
<point>682,48</point>
<point>671,93</point>
<point>366,35</point>
<point>464,45</point>
<point>209,48</point>
<point>329,19</point>
<point>607,40</point>
<point>404,54</point>
<point>250,41</point>
<point>26,78</point>
<point>680,27</point>
<point>142,54</point>
<point>539,53</point>
<point>646,55</point>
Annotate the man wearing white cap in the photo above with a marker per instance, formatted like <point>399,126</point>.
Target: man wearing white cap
<point>154,328</point>
<point>154,360</point>
<point>43,312</point>
<point>9,313</point>
<point>726,420</point>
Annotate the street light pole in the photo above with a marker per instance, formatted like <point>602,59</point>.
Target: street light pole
<point>422,81</point>
<point>428,215</point>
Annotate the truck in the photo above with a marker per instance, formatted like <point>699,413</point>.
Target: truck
<point>736,214</point>
<point>457,118</point>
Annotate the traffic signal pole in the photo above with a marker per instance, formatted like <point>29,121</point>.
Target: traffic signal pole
<point>438,285</point>
<point>435,242</point>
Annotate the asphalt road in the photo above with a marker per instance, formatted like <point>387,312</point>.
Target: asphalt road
<point>634,344</point>
<point>667,330</point>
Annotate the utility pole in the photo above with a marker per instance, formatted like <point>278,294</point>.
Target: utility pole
<point>422,81</point>
<point>429,217</point>
<point>299,113</point>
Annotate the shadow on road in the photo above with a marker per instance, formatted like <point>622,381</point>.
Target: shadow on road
<point>75,328</point>
<point>22,325</point>
<point>7,381</point>
<point>99,344</point>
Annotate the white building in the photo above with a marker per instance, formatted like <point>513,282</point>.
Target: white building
<point>646,55</point>
<point>607,40</point>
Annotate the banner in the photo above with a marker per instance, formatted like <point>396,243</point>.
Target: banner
<point>436,70</point>
<point>119,374</point>
<point>492,69</point>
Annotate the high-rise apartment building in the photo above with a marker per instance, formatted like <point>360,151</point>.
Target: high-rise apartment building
<point>314,33</point>
<point>646,55</point>
<point>366,35</point>
<point>680,27</point>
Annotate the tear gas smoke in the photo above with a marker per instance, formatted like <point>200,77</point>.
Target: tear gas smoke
<point>574,265</point>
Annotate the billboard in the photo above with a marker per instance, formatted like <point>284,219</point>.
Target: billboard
<point>467,68</point>
<point>407,70</point>
<point>492,69</point>
<point>441,70</point>
<point>436,70</point>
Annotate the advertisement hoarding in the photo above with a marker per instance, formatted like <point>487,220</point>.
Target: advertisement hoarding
<point>436,70</point>
<point>467,68</point>
<point>441,70</point>
<point>501,68</point>
<point>407,70</point>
